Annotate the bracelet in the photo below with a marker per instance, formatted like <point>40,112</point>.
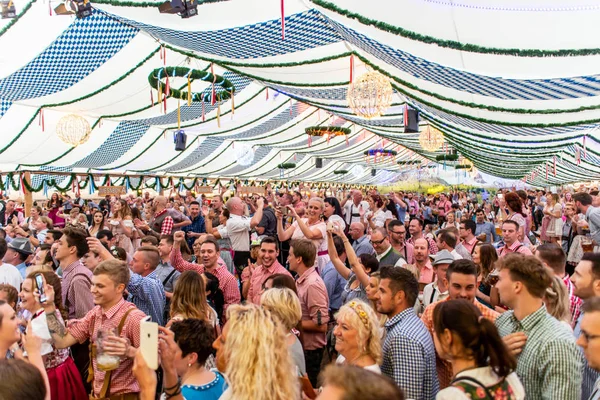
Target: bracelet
<point>174,386</point>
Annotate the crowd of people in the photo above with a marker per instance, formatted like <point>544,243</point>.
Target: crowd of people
<point>291,295</point>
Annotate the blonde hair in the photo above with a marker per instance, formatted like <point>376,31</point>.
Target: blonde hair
<point>259,364</point>
<point>318,200</point>
<point>557,300</point>
<point>47,221</point>
<point>116,270</point>
<point>360,316</point>
<point>284,304</point>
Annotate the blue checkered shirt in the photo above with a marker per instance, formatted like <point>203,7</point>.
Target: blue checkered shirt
<point>197,226</point>
<point>409,356</point>
<point>148,294</point>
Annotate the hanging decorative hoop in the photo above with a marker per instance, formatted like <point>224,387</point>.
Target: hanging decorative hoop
<point>409,162</point>
<point>340,172</point>
<point>286,166</point>
<point>380,155</point>
<point>155,79</point>
<point>327,132</point>
<point>447,157</point>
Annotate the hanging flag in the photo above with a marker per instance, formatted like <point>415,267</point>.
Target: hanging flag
<point>282,20</point>
<point>578,155</point>
<point>203,116</point>
<point>351,67</point>
<point>189,88</point>
<point>554,162</point>
<point>213,97</point>
<point>41,118</point>
<point>584,147</point>
<point>267,93</point>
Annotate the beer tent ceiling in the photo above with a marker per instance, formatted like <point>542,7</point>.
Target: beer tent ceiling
<point>514,87</point>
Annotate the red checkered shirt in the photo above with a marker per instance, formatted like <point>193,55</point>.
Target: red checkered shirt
<point>167,226</point>
<point>444,368</point>
<point>122,379</point>
<point>227,282</point>
<point>575,301</point>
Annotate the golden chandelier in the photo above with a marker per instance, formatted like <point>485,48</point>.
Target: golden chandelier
<point>370,95</point>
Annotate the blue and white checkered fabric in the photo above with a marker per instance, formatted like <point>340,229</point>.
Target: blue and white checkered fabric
<point>86,45</point>
<point>260,153</point>
<point>195,110</point>
<point>206,148</point>
<point>4,106</point>
<point>123,138</point>
<point>37,179</point>
<point>533,89</point>
<point>303,31</point>
<point>282,118</point>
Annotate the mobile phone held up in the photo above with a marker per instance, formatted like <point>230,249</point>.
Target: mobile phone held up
<point>149,342</point>
<point>39,282</point>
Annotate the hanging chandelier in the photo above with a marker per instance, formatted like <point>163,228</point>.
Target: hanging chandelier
<point>431,139</point>
<point>370,95</point>
<point>73,130</point>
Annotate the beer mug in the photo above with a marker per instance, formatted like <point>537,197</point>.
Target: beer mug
<point>106,362</point>
<point>587,244</point>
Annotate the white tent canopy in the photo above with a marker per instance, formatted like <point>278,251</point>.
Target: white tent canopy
<point>513,86</point>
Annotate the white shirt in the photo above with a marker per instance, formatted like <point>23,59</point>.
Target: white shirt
<point>238,228</point>
<point>350,208</point>
<point>11,275</point>
<point>487,377</point>
<point>432,294</point>
<point>373,368</point>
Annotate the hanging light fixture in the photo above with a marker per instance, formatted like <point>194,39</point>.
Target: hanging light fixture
<point>431,139</point>
<point>73,130</point>
<point>370,95</point>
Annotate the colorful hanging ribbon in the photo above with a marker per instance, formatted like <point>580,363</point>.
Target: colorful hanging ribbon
<point>282,20</point>
<point>41,119</point>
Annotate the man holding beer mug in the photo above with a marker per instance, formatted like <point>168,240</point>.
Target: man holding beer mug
<point>113,327</point>
<point>583,202</point>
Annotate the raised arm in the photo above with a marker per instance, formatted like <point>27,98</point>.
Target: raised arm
<point>355,264</point>
<point>60,335</point>
<point>335,259</point>
<point>312,234</point>
<point>283,234</point>
<point>260,203</point>
<point>177,260</point>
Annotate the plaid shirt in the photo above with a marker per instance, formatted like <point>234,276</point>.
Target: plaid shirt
<point>148,294</point>
<point>76,292</point>
<point>409,356</point>
<point>550,364</point>
<point>197,226</point>
<point>122,379</point>
<point>444,368</point>
<point>227,282</point>
<point>575,301</point>
<point>167,225</point>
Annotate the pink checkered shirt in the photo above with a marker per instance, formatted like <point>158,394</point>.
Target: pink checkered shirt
<point>122,379</point>
<point>575,301</point>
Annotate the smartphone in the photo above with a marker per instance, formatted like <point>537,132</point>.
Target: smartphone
<point>149,342</point>
<point>500,195</point>
<point>39,282</point>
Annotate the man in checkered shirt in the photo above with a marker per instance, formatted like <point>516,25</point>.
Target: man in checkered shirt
<point>548,361</point>
<point>408,350</point>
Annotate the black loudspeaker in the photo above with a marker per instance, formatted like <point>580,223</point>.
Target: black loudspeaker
<point>373,172</point>
<point>318,162</point>
<point>411,121</point>
<point>180,140</point>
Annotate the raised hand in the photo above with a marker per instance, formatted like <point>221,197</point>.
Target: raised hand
<point>179,237</point>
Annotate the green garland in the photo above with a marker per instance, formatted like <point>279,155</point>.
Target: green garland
<point>452,44</point>
<point>462,166</point>
<point>15,19</point>
<point>340,172</point>
<point>327,130</point>
<point>145,4</point>
<point>286,166</point>
<point>182,72</point>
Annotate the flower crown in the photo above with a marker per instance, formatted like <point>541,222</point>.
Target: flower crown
<point>360,311</point>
